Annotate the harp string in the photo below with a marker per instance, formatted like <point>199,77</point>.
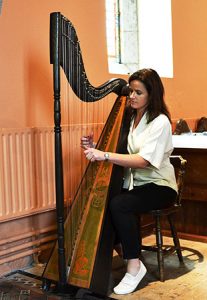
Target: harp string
<point>87,113</point>
<point>69,179</point>
<point>67,132</point>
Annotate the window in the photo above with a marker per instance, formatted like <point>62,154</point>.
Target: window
<point>0,5</point>
<point>139,35</point>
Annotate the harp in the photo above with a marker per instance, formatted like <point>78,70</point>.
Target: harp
<point>85,237</point>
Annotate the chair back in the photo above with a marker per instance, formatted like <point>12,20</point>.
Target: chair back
<point>179,164</point>
<point>181,127</point>
<point>201,125</point>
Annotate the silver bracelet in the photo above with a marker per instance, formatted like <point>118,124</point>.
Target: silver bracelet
<point>106,156</point>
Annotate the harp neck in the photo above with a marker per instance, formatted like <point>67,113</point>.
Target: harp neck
<point>65,52</point>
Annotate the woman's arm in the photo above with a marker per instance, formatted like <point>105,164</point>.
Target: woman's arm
<point>125,160</point>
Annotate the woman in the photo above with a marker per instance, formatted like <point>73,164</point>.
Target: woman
<point>149,177</point>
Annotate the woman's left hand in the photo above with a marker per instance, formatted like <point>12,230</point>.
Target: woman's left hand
<point>94,154</point>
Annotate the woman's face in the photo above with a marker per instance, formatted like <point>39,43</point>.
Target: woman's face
<point>138,95</point>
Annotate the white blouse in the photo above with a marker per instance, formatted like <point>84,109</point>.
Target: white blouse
<point>153,142</point>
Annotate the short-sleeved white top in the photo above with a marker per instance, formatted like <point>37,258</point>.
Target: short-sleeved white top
<point>153,142</point>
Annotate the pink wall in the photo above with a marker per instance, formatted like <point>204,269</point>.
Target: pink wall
<point>25,76</point>
<point>187,91</point>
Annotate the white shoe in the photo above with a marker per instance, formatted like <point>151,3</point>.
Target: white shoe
<point>129,283</point>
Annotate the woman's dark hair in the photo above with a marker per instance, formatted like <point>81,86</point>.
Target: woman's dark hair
<point>155,89</point>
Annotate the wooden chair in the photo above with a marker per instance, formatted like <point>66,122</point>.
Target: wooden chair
<point>179,164</point>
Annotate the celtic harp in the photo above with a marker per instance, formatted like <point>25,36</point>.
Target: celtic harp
<point>85,236</point>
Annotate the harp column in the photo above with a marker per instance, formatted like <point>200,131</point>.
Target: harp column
<point>55,60</point>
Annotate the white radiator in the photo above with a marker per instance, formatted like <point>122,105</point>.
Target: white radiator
<point>27,179</point>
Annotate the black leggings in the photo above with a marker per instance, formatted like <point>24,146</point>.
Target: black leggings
<point>126,207</point>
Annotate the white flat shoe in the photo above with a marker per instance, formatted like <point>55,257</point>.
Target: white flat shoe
<point>129,282</point>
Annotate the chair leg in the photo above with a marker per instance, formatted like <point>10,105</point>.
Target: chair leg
<point>175,238</point>
<point>159,241</point>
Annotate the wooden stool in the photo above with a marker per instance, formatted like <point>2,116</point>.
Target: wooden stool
<point>179,164</point>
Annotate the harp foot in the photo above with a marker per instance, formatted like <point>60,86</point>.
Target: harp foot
<point>84,294</point>
<point>46,285</point>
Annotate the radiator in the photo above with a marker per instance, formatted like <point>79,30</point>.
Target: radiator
<point>27,178</point>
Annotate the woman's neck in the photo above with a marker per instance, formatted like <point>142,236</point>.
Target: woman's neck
<point>138,116</point>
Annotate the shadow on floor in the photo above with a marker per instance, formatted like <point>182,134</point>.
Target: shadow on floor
<point>172,267</point>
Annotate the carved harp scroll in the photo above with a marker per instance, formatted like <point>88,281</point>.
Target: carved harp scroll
<point>75,260</point>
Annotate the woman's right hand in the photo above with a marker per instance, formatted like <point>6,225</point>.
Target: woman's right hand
<point>87,141</point>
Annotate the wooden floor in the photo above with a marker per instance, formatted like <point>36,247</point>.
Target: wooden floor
<point>183,282</point>
<point>187,282</point>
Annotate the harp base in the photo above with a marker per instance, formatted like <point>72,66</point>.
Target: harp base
<point>85,294</point>
<point>72,292</point>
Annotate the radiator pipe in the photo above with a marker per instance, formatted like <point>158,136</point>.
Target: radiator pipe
<point>23,254</point>
<point>27,245</point>
<point>27,234</point>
